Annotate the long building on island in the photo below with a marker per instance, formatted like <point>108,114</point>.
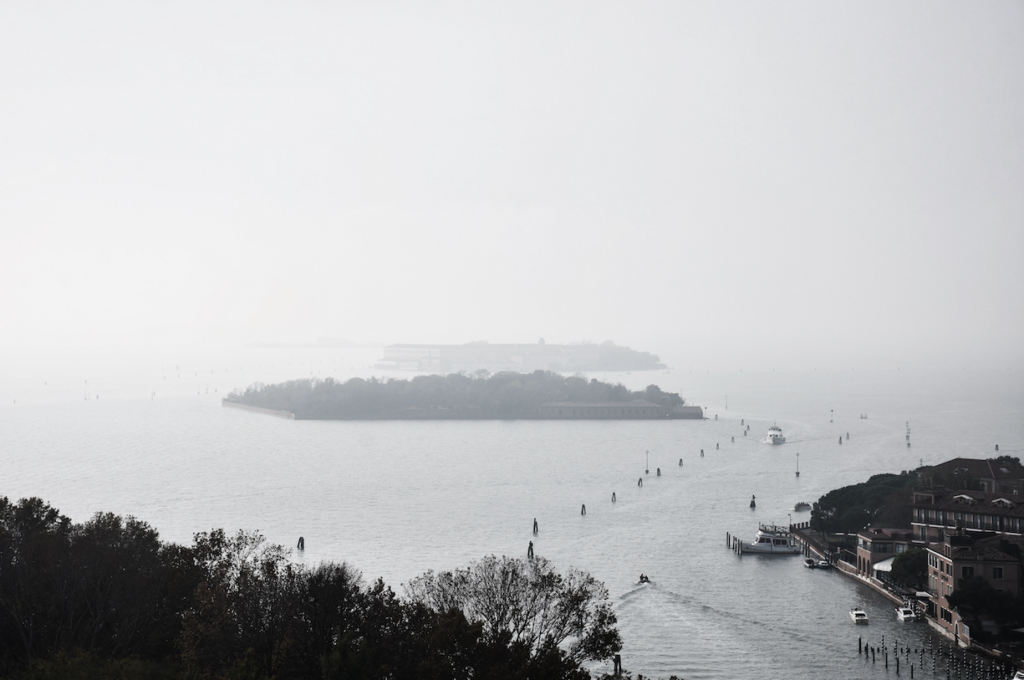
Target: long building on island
<point>523,358</point>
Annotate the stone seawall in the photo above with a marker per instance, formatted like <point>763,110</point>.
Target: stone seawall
<point>256,409</point>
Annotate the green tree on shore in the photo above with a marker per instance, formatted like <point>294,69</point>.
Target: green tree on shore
<point>108,599</point>
<point>910,568</point>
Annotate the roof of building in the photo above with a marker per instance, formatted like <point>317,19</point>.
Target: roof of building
<point>975,467</point>
<point>990,549</point>
<point>874,534</point>
<point>958,500</point>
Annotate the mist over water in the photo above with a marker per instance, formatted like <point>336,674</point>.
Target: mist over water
<point>397,498</point>
<point>809,211</point>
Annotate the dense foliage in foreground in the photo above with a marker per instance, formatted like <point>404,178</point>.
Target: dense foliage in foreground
<point>502,395</point>
<point>108,599</point>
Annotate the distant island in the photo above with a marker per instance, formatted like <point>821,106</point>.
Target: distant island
<point>525,358</point>
<point>540,395</point>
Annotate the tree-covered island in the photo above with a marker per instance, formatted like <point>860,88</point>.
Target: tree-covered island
<point>457,396</point>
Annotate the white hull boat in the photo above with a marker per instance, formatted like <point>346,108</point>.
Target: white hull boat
<point>905,614</point>
<point>772,540</point>
<point>859,616</point>
<point>774,436</point>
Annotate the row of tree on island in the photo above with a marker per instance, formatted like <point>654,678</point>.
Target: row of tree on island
<point>108,599</point>
<point>481,395</point>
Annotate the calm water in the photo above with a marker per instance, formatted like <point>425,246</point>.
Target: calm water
<point>398,498</point>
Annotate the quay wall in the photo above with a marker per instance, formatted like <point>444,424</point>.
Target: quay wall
<point>256,409</point>
<point>813,545</point>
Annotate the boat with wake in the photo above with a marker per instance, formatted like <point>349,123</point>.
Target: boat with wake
<point>774,436</point>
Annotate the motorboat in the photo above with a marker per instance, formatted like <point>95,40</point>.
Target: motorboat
<point>810,563</point>
<point>824,564</point>
<point>802,506</point>
<point>905,614</point>
<point>772,539</point>
<point>859,615</point>
<point>1019,675</point>
<point>774,436</point>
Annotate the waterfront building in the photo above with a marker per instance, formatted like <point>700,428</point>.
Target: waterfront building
<point>523,358</point>
<point>993,557</point>
<point>877,548</point>
<point>968,514</point>
<point>937,512</point>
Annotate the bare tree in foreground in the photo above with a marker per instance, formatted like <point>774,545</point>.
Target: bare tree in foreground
<point>530,601</point>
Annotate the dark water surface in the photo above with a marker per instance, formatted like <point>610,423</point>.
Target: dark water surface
<point>398,498</point>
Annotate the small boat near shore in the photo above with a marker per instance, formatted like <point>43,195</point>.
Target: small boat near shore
<point>858,615</point>
<point>906,614</point>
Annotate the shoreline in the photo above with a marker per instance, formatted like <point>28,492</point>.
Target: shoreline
<point>687,413</point>
<point>287,415</point>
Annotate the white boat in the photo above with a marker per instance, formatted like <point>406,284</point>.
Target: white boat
<point>774,436</point>
<point>858,615</point>
<point>774,540</point>
<point>810,564</point>
<point>1019,675</point>
<point>905,614</point>
<point>802,506</point>
<point>823,564</point>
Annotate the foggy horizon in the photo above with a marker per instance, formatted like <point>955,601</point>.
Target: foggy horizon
<point>741,185</point>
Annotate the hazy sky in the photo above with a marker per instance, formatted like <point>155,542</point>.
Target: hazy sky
<point>750,182</point>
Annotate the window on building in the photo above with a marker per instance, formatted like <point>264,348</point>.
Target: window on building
<point>966,571</point>
<point>997,573</point>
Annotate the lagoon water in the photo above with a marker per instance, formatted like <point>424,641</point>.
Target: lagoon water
<point>394,499</point>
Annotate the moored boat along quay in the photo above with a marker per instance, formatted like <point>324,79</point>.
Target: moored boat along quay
<point>945,542</point>
<point>823,549</point>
